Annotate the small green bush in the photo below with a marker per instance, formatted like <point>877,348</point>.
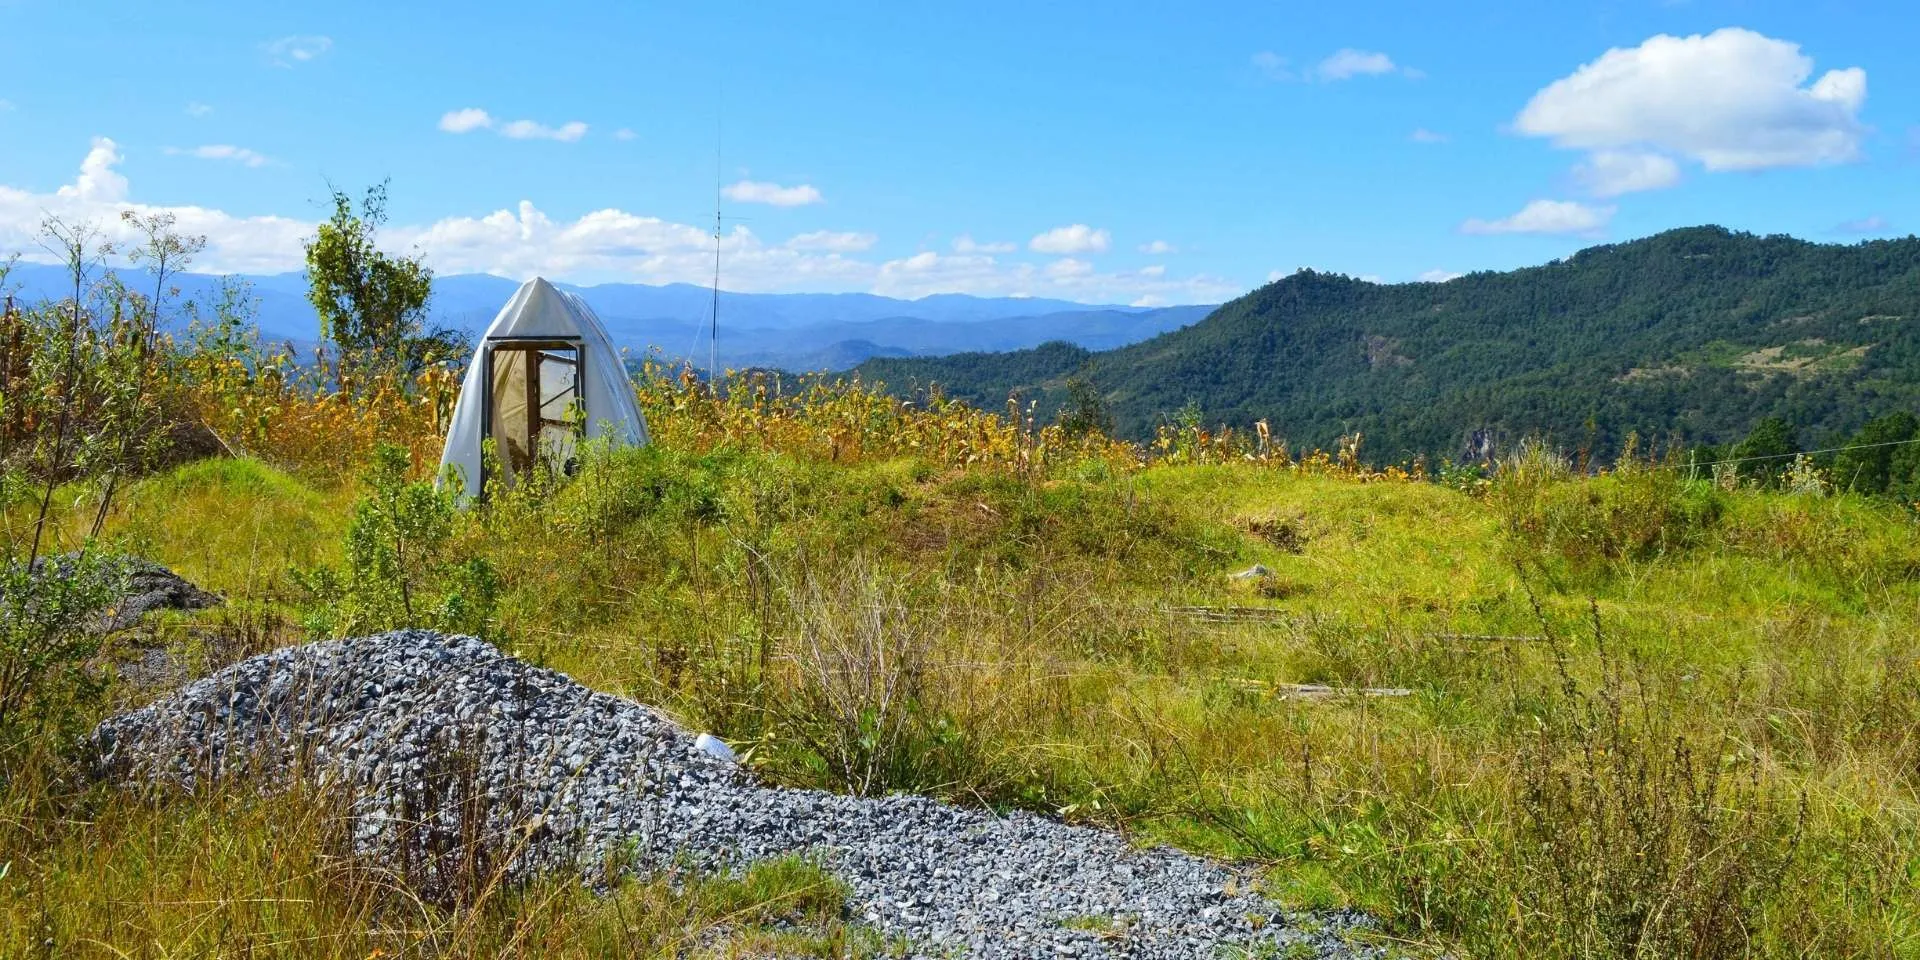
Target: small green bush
<point>47,641</point>
<point>403,568</point>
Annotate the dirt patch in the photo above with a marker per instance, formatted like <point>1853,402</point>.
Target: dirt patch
<point>1802,358</point>
<point>1665,370</point>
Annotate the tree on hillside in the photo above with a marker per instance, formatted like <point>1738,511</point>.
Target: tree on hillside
<point>1085,411</point>
<point>1866,465</point>
<point>372,306</point>
<point>1768,449</point>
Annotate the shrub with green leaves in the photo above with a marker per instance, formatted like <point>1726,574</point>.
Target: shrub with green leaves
<point>47,609</point>
<point>403,568</point>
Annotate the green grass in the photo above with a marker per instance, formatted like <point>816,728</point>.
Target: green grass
<point>238,876</point>
<point>1648,717</point>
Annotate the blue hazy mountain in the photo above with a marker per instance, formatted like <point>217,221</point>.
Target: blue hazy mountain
<point>796,331</point>
<point>837,345</point>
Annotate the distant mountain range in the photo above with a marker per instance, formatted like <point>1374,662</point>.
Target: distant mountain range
<point>1694,334</point>
<point>793,331</point>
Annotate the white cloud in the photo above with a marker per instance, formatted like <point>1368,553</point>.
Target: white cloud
<point>1149,300</point>
<point>222,151</point>
<point>1423,135</point>
<point>757,191</point>
<point>965,243</point>
<point>1069,268</point>
<point>1729,100</point>
<point>1610,173</point>
<point>1439,276</point>
<point>465,120</point>
<point>928,273</point>
<point>1349,63</point>
<point>289,51</point>
<point>1546,216</point>
<point>1075,238</point>
<point>529,130</point>
<point>624,134</point>
<point>601,246</point>
<point>469,119</point>
<point>833,242</point>
<point>98,182</point>
<point>1158,248</point>
<point>1154,270</point>
<point>1273,65</point>
<point>196,109</point>
<point>1343,64</point>
<point>98,195</point>
<point>1873,224</point>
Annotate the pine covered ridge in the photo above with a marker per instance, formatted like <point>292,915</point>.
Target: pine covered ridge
<point>1693,335</point>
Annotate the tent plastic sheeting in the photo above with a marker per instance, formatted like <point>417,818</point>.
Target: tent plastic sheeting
<point>544,360</point>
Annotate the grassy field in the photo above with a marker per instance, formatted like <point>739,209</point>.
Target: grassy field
<point>1630,714</point>
<point>1647,716</point>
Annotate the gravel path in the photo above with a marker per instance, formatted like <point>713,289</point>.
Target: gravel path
<point>450,749</point>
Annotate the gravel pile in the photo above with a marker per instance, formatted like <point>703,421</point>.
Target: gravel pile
<point>151,587</point>
<point>453,753</point>
<point>142,587</point>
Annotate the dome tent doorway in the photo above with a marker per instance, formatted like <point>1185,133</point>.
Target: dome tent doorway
<point>543,375</point>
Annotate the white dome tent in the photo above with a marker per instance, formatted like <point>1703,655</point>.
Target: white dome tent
<point>543,372</point>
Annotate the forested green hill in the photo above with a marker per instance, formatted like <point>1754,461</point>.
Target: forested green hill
<point>1690,335</point>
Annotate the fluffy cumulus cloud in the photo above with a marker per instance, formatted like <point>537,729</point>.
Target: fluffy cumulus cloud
<point>1729,100</point>
<point>1158,248</point>
<point>1610,173</point>
<point>469,119</point>
<point>1546,217</point>
<point>296,50</point>
<point>529,130</point>
<point>760,191</point>
<point>465,120</point>
<point>1074,238</point>
<point>99,193</point>
<point>1069,268</point>
<point>600,246</point>
<point>224,152</point>
<point>1439,276</point>
<point>625,134</point>
<point>1423,135</point>
<point>196,110</point>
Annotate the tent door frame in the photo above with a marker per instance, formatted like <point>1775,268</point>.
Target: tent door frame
<point>533,345</point>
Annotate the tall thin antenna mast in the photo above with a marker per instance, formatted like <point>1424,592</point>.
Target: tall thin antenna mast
<point>713,326</point>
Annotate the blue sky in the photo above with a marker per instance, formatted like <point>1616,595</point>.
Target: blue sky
<point>1095,151</point>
